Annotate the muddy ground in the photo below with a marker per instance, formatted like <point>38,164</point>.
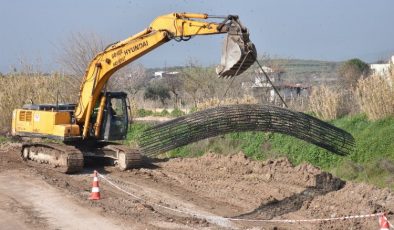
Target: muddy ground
<point>189,193</point>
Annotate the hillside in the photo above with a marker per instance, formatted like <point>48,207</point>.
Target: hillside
<point>307,71</point>
<point>297,70</point>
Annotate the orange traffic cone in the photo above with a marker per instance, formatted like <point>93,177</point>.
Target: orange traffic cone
<point>383,222</point>
<point>95,195</point>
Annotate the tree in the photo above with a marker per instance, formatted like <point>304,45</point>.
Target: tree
<point>174,85</point>
<point>130,79</point>
<point>352,70</point>
<point>199,82</point>
<point>156,91</point>
<point>78,51</point>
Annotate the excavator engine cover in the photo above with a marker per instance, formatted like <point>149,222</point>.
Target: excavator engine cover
<point>238,52</point>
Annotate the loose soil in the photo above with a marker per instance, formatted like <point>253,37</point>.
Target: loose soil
<point>187,193</point>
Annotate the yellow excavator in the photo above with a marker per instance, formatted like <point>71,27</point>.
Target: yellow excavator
<point>90,127</point>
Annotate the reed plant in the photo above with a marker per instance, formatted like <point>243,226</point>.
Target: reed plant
<point>327,103</point>
<point>20,89</point>
<point>214,102</point>
<point>375,96</point>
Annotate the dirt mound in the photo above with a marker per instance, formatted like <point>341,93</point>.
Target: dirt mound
<point>241,182</point>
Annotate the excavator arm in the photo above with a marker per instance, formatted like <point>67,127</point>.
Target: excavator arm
<point>238,55</point>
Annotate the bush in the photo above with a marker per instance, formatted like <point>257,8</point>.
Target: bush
<point>177,113</point>
<point>164,113</point>
<point>144,113</point>
<point>156,91</point>
<point>352,70</point>
<point>193,110</point>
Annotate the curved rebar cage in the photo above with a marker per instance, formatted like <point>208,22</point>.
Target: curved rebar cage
<point>239,118</point>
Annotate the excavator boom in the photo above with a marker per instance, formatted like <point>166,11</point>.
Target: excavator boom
<point>238,54</point>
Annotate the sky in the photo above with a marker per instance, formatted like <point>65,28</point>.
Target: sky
<point>332,30</point>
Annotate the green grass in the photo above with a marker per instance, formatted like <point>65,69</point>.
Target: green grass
<point>134,132</point>
<point>144,113</point>
<point>163,113</point>
<point>3,139</point>
<point>372,160</point>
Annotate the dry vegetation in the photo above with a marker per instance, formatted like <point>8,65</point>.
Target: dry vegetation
<point>214,102</point>
<point>17,90</point>
<point>376,96</point>
<point>326,103</point>
<point>373,95</point>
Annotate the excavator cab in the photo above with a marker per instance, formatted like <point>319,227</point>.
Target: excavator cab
<point>116,117</point>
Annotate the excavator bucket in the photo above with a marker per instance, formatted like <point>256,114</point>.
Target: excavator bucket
<point>238,52</point>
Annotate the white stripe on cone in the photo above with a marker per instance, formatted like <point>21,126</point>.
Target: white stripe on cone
<point>95,194</point>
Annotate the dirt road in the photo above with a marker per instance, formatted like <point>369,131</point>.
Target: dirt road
<point>208,188</point>
<point>24,196</point>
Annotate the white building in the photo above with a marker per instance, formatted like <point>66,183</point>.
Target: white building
<point>263,90</point>
<point>382,69</point>
<point>161,74</point>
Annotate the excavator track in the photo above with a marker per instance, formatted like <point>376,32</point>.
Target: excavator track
<point>126,158</point>
<point>61,158</point>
